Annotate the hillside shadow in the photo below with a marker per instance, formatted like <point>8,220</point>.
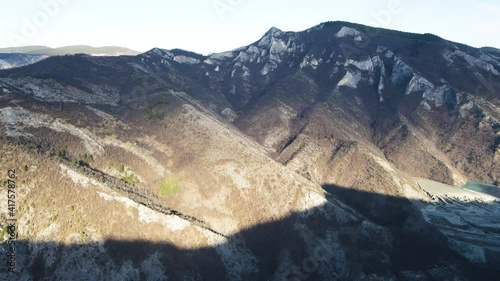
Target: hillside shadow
<point>418,244</point>
<point>355,251</point>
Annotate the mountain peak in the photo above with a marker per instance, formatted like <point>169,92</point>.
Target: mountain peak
<point>274,31</point>
<point>270,37</point>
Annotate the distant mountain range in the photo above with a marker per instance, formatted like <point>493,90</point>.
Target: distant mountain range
<point>71,50</point>
<point>334,153</point>
<point>21,56</point>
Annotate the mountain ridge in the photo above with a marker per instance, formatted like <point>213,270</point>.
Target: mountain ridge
<point>321,132</point>
<point>69,50</point>
<point>22,56</point>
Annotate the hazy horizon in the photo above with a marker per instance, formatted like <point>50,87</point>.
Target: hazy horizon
<point>220,25</point>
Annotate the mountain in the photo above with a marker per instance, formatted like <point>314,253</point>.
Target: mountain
<point>21,56</point>
<point>71,50</point>
<point>335,153</point>
<point>22,50</point>
<point>17,60</point>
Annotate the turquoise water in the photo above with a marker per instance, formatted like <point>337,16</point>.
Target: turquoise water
<point>489,189</point>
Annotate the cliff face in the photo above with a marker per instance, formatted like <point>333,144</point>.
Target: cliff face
<point>293,158</point>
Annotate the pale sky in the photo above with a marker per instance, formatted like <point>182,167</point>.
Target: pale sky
<point>208,26</point>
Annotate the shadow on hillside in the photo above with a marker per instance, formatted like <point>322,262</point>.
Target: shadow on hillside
<point>414,253</point>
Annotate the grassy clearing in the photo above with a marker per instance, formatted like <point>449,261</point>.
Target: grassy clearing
<point>169,187</point>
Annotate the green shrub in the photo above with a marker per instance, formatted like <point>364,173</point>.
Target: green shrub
<point>121,168</point>
<point>4,232</point>
<point>61,153</point>
<point>169,187</point>
<point>88,158</point>
<point>131,179</point>
<point>153,114</point>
